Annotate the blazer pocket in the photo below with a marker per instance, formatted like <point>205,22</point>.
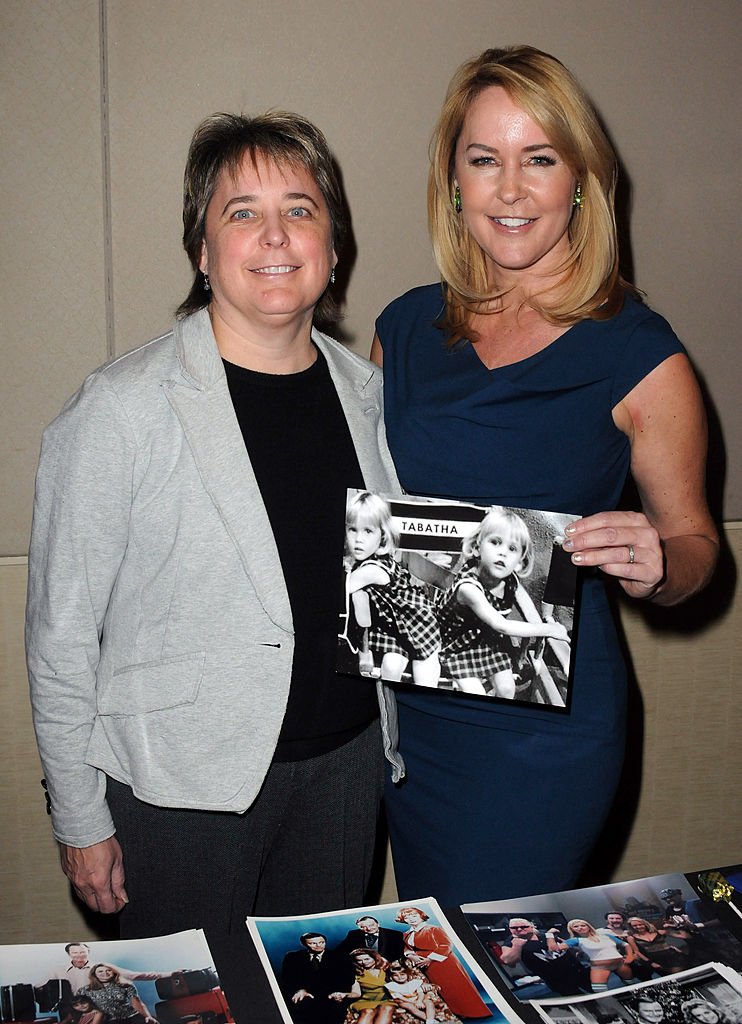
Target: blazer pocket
<point>153,686</point>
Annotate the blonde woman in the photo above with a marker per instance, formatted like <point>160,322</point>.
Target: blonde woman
<point>530,376</point>
<point>603,951</point>
<point>664,953</point>
<point>371,1004</point>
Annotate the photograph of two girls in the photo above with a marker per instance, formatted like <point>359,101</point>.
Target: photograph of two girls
<point>454,596</point>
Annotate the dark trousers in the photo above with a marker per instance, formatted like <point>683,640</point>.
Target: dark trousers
<point>305,846</point>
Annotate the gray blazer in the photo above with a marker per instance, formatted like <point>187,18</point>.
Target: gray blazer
<point>159,634</point>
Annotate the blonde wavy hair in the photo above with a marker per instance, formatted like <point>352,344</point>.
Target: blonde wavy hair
<point>579,920</point>
<point>551,95</point>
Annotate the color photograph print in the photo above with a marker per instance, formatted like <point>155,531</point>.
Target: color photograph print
<point>393,964</point>
<point>99,981</point>
<point>703,995</point>
<point>605,938</point>
<point>458,597</point>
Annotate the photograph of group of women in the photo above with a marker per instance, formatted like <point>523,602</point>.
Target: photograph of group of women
<point>611,937</point>
<point>107,982</point>
<point>704,995</point>
<point>458,597</point>
<point>391,964</point>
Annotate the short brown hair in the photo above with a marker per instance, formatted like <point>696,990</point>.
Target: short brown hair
<point>221,143</point>
<point>553,97</point>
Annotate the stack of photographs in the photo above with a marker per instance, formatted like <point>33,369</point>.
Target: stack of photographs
<point>657,950</point>
<point>666,949</point>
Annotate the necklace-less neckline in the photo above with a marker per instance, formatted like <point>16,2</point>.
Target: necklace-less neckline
<point>518,363</point>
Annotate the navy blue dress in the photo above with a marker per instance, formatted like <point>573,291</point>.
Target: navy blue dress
<point>503,801</point>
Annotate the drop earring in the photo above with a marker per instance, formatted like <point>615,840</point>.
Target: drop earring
<point>332,276</point>
<point>457,200</point>
<point>207,286</point>
<point>578,198</point>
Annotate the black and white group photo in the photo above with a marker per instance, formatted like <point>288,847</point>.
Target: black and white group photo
<point>703,995</point>
<point>458,597</point>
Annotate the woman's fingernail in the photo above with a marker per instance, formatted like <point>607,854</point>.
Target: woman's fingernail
<point>568,545</point>
<point>577,559</point>
<point>570,528</point>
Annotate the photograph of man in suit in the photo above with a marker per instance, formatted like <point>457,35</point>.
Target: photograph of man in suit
<point>369,935</point>
<point>314,981</point>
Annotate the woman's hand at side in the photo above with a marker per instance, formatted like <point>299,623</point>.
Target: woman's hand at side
<point>97,874</point>
<point>668,551</point>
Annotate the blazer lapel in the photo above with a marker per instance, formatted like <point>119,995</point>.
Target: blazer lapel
<point>201,401</point>
<point>358,385</point>
<point>204,408</point>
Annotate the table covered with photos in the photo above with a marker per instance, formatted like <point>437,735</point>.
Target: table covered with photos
<point>666,949</point>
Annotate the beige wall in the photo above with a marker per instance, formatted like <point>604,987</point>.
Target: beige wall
<point>52,291</point>
<point>687,801</point>
<point>99,99</point>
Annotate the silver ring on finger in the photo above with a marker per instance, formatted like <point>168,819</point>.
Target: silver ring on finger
<point>632,553</point>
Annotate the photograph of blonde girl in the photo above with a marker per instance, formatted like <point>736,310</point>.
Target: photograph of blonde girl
<point>396,621</point>
<point>475,629</point>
